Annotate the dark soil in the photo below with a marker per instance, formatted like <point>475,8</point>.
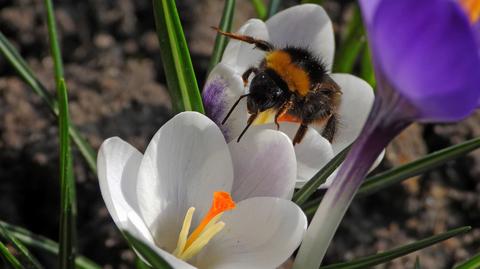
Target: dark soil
<point>117,88</point>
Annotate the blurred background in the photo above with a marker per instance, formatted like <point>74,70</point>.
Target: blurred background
<point>117,88</point>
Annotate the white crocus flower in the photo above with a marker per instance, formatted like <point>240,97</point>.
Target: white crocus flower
<point>305,26</point>
<point>164,197</point>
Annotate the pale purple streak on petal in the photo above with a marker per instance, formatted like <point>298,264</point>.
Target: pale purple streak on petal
<point>215,103</point>
<point>223,88</point>
<point>430,56</point>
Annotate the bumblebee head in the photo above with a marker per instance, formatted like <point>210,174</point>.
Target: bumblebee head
<point>266,91</point>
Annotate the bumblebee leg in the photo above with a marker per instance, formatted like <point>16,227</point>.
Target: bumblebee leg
<point>282,111</point>
<point>259,44</point>
<point>330,129</point>
<point>247,73</point>
<point>302,130</point>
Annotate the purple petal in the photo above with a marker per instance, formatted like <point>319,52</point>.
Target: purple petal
<point>476,31</point>
<point>427,51</point>
<point>368,9</point>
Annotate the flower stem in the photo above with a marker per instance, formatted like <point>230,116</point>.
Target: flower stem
<point>385,121</point>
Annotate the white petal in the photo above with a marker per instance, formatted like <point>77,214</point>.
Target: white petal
<point>118,164</point>
<point>241,55</point>
<point>136,227</point>
<point>264,165</point>
<point>312,154</point>
<point>262,232</point>
<point>305,26</point>
<point>186,161</point>
<point>357,101</point>
<point>222,90</point>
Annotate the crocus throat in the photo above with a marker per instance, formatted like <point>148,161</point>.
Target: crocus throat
<point>189,246</point>
<point>472,7</point>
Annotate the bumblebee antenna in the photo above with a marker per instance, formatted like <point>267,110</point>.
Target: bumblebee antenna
<point>260,44</point>
<point>250,121</point>
<point>233,107</point>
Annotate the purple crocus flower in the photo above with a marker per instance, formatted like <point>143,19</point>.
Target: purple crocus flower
<point>428,69</point>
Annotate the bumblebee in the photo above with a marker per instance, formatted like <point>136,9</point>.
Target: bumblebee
<point>293,84</point>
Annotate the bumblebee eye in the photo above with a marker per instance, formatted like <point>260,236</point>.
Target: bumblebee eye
<point>277,92</point>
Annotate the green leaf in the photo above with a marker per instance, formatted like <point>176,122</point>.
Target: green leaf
<point>43,243</point>
<point>54,46</point>
<point>273,7</point>
<point>302,195</point>
<point>417,263</point>
<point>12,260</point>
<point>68,209</point>
<point>24,71</point>
<point>472,263</point>
<point>367,72</point>
<point>221,41</point>
<point>139,264</point>
<point>260,8</point>
<point>177,64</point>
<point>422,165</point>
<point>370,261</point>
<point>25,254</point>
<point>147,253</point>
<point>352,44</point>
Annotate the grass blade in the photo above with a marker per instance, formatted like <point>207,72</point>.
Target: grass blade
<point>302,195</point>
<point>427,163</point>
<point>370,261</point>
<point>260,8</point>
<point>273,7</point>
<point>24,71</point>
<point>68,210</point>
<point>352,44</point>
<point>472,263</point>
<point>25,254</point>
<point>155,260</point>
<point>417,263</point>
<point>221,40</point>
<point>54,46</point>
<point>139,264</point>
<point>396,175</point>
<point>12,260</point>
<point>43,243</point>
<point>177,64</point>
<point>17,62</point>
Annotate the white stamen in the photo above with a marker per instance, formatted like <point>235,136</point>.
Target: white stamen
<point>182,237</point>
<point>202,241</point>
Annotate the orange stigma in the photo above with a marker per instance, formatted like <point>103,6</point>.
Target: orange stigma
<point>472,7</point>
<point>222,201</point>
